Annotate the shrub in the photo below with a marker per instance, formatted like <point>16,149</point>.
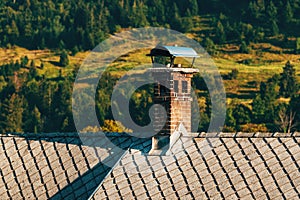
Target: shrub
<point>253,128</point>
<point>232,75</point>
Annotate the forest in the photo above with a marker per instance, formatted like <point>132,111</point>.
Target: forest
<point>31,101</point>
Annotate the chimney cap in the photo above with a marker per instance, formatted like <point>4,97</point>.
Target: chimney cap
<point>173,51</point>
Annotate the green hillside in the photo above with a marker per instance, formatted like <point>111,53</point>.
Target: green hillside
<point>250,42</point>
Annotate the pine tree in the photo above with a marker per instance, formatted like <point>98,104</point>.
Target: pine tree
<point>244,48</point>
<point>230,121</point>
<point>288,81</point>
<point>11,114</point>
<point>271,11</point>
<point>297,46</point>
<point>242,115</point>
<point>194,7</point>
<point>295,107</point>
<point>220,33</point>
<point>3,83</point>
<point>287,13</point>
<point>274,28</point>
<point>64,59</point>
<point>33,124</point>
<point>32,71</point>
<point>24,61</point>
<point>175,18</point>
<point>253,11</point>
<point>209,45</point>
<point>258,110</point>
<point>13,32</point>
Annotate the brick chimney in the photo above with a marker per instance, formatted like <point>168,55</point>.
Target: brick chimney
<point>173,92</point>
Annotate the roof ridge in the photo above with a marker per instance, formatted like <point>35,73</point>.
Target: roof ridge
<point>123,134</point>
<point>245,135</point>
<point>68,134</point>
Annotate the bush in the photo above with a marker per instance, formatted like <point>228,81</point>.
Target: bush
<point>114,126</point>
<point>253,128</point>
<point>232,75</point>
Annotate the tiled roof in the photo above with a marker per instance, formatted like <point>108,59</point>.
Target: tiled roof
<point>231,166</point>
<point>44,166</point>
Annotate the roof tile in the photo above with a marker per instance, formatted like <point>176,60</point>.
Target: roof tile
<point>236,166</point>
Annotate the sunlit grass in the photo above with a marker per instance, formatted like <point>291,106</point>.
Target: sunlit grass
<point>255,67</point>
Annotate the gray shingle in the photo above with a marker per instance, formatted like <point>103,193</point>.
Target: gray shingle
<point>231,167</point>
<point>243,154</point>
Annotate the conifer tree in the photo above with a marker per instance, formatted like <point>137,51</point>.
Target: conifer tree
<point>11,114</point>
<point>288,81</point>
<point>220,33</point>
<point>64,59</point>
<point>287,13</point>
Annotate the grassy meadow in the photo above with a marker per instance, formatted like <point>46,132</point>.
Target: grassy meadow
<point>259,65</point>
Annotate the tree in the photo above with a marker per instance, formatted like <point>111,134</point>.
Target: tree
<point>13,32</point>
<point>138,17</point>
<point>253,10</point>
<point>32,71</point>
<point>220,33</point>
<point>274,28</point>
<point>271,11</point>
<point>60,118</point>
<point>186,24</point>
<point>194,7</point>
<point>33,124</point>
<point>175,18</point>
<point>209,45</point>
<point>286,119</point>
<point>244,48</point>
<point>242,115</point>
<point>295,107</point>
<point>3,83</point>
<point>288,81</point>
<point>64,59</point>
<point>264,105</point>
<point>297,46</point>
<point>230,121</point>
<point>258,110</point>
<point>287,13</point>
<point>11,114</point>
<point>269,90</point>
<point>24,61</point>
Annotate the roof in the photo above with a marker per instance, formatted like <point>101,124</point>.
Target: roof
<point>230,166</point>
<point>56,165</point>
<point>173,51</point>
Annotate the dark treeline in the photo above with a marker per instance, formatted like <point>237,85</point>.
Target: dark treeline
<point>33,103</point>
<point>30,102</point>
<point>80,25</point>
